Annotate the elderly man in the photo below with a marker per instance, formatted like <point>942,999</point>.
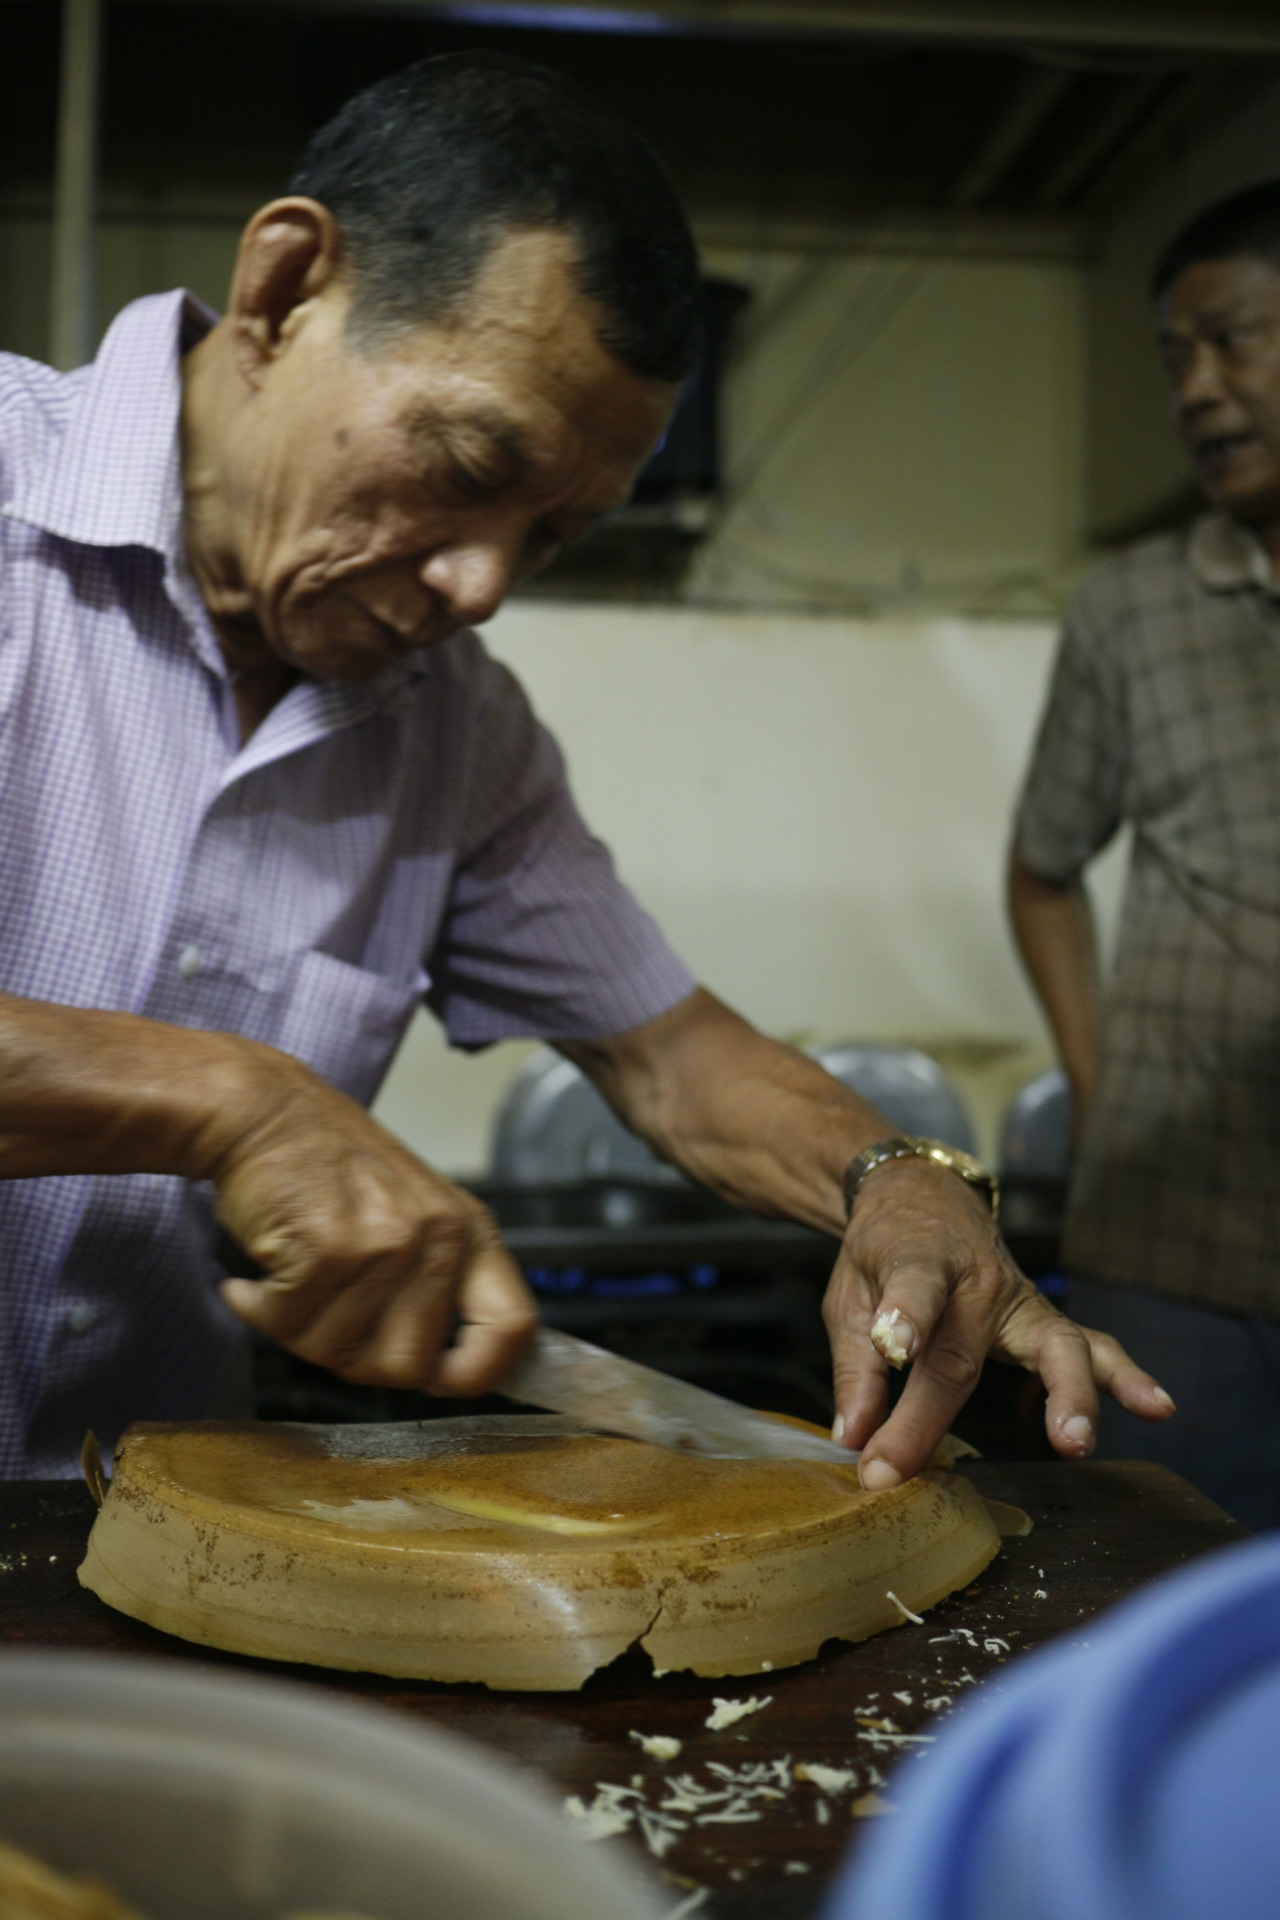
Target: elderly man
<point>262,790</point>
<point>1165,711</point>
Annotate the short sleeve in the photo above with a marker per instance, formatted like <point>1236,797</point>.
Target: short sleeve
<point>540,938</point>
<point>1072,802</point>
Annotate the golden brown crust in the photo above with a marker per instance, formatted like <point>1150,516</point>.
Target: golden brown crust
<point>516,1550</point>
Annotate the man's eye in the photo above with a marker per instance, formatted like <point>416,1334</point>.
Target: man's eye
<point>472,484</point>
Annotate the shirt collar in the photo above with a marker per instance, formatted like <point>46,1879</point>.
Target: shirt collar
<point>1225,556</point>
<point>114,478</point>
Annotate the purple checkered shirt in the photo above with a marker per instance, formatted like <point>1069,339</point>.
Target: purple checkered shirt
<point>368,847</point>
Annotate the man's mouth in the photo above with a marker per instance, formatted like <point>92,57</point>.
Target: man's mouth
<point>400,642</point>
<point>1215,450</point>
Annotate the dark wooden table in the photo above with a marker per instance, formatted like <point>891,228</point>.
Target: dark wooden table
<point>1100,1530</point>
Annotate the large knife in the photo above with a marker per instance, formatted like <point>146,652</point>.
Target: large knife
<point>603,1390</point>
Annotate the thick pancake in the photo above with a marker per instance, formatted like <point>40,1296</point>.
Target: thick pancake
<point>518,1550</point>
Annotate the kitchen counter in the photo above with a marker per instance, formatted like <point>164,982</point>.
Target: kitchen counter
<point>758,1841</point>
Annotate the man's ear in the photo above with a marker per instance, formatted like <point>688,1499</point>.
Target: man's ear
<point>289,253</point>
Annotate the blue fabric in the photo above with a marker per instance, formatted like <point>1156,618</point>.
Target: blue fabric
<point>1134,1775</point>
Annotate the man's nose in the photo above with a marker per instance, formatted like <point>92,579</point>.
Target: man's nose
<point>472,578</point>
<point>1199,382</point>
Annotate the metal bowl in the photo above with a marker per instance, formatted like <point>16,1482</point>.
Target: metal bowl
<point>204,1795</point>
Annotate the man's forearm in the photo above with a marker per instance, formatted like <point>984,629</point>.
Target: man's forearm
<point>759,1122</point>
<point>1053,926</point>
<point>83,1091</point>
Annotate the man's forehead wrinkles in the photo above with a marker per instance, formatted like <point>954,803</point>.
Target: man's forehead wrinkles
<point>1212,309</point>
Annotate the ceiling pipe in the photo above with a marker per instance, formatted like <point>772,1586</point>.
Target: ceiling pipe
<point>73,277</point>
<point>1076,167</point>
<point>1207,96</point>
<point>1033,101</point>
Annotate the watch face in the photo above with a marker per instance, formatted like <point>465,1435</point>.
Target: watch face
<point>965,1164</point>
<point>971,1170</point>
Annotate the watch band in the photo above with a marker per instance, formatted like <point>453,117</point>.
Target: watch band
<point>906,1146</point>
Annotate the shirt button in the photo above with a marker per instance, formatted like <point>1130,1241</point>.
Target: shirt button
<point>190,961</point>
<point>81,1315</point>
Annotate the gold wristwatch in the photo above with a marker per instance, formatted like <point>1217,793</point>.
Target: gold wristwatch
<point>907,1146</point>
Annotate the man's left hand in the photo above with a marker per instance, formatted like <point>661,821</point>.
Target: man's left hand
<point>923,1279</point>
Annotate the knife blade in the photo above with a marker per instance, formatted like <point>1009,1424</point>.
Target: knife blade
<point>603,1390</point>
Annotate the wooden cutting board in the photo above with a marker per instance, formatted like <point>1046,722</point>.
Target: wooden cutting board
<point>517,1550</point>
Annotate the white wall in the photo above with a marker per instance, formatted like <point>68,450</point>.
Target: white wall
<point>901,432</point>
<point>816,811</point>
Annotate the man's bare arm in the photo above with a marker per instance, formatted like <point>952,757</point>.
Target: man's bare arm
<point>1054,929</point>
<point>757,1121</point>
<point>371,1258</point>
<point>769,1128</point>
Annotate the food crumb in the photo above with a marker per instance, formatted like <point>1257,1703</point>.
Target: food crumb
<point>826,1779</point>
<point>725,1713</point>
<point>1040,1594</point>
<point>796,1866</point>
<point>601,1820</point>
<point>658,1746</point>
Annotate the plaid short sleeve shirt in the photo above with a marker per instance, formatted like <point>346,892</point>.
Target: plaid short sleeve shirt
<point>368,848</point>
<point>1164,711</point>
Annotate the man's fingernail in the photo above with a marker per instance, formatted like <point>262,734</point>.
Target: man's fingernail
<point>1079,1431</point>
<point>893,1336</point>
<point>1163,1399</point>
<point>877,1476</point>
<point>837,1429</point>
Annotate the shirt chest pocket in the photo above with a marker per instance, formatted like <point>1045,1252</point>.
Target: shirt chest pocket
<point>345,1022</point>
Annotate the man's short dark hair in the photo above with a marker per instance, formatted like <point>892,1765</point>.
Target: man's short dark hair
<point>426,170</point>
<point>1245,224</point>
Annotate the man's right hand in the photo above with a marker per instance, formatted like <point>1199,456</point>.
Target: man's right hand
<point>373,1263</point>
<point>375,1266</point>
